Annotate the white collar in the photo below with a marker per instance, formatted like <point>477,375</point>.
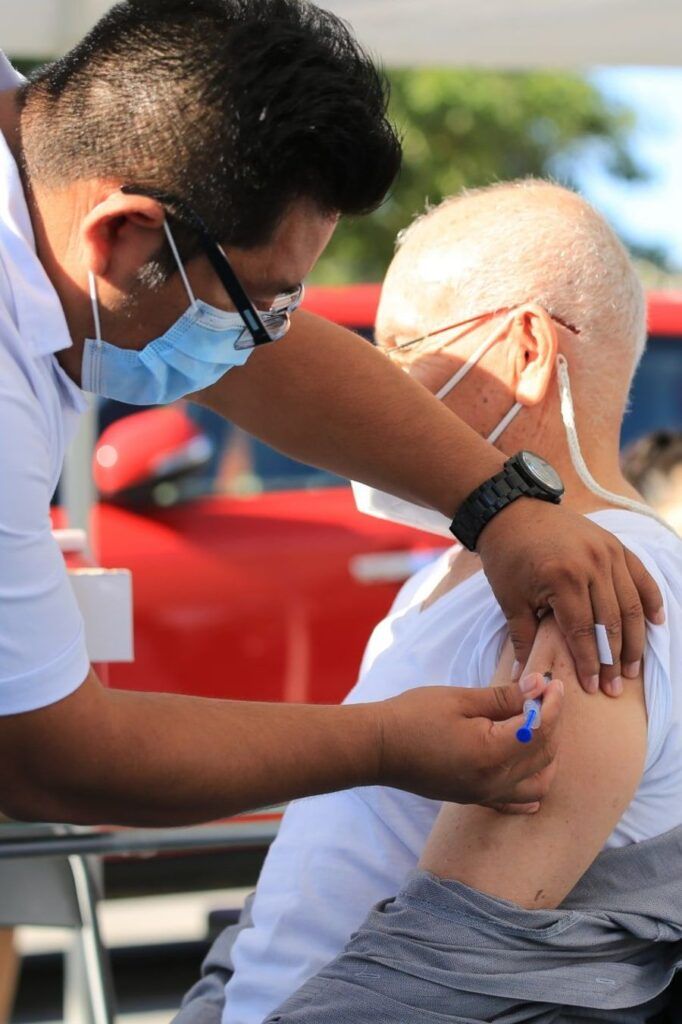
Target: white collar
<point>40,317</point>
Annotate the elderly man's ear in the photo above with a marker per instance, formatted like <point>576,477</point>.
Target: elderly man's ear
<point>536,347</point>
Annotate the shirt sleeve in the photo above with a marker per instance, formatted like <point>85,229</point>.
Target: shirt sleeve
<point>42,644</point>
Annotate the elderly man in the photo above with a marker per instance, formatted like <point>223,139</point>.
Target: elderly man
<point>496,302</point>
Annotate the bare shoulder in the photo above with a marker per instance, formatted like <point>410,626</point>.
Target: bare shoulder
<point>535,860</point>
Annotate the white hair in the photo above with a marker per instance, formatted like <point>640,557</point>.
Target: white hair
<point>534,241</point>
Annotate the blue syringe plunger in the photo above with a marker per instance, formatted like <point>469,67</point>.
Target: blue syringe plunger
<point>532,711</point>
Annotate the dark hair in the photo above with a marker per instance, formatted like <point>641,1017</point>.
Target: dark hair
<point>648,462</point>
<point>238,107</point>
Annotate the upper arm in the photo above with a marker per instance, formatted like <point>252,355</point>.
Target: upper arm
<point>535,860</point>
<point>42,646</point>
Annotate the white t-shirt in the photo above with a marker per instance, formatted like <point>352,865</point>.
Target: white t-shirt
<point>337,855</point>
<point>42,645</point>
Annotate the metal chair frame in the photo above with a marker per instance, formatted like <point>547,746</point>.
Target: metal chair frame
<point>49,877</point>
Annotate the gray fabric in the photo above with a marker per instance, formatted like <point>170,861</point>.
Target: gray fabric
<point>204,1002</point>
<point>442,952</point>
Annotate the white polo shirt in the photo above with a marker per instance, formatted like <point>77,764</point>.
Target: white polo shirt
<point>42,646</point>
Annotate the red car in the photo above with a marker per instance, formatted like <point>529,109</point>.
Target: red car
<point>272,596</point>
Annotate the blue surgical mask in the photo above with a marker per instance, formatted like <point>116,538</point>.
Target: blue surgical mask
<point>195,352</point>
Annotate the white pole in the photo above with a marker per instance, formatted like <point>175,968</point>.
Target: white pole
<point>78,493</point>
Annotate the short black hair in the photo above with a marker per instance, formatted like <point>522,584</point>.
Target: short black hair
<point>238,107</point>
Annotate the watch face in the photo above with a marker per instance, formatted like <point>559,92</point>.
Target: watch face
<point>540,471</point>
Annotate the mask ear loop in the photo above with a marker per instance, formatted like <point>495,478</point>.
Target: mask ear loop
<point>504,423</point>
<point>475,356</point>
<point>579,464</point>
<point>92,283</point>
<point>181,269</point>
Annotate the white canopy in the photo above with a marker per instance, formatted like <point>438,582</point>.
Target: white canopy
<point>494,33</point>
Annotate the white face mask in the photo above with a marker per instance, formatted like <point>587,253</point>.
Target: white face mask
<point>381,505</point>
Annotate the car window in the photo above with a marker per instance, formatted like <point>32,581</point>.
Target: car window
<point>656,396</point>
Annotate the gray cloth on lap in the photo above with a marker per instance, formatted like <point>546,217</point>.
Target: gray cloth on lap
<point>205,1001</point>
<point>442,952</point>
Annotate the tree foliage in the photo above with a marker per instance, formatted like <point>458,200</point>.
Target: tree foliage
<point>467,128</point>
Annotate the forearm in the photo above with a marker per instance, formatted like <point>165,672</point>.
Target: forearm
<point>158,759</point>
<point>326,397</point>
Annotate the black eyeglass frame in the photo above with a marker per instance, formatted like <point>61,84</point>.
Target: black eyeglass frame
<point>397,349</point>
<point>217,257</point>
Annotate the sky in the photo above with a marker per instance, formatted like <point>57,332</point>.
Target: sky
<point>648,212</point>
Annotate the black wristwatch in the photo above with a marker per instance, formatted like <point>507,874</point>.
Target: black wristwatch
<point>525,475</point>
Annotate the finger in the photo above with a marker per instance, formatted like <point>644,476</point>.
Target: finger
<point>534,789</point>
<point>534,684</point>
<point>545,742</point>
<point>575,618</point>
<point>545,650</point>
<point>523,626</point>
<point>607,614</point>
<point>632,618</point>
<point>497,703</point>
<point>513,809</point>
<point>649,593</point>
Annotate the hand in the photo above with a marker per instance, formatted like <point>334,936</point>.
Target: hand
<point>459,745</point>
<point>539,557</point>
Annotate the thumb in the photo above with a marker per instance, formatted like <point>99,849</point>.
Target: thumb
<point>523,625</point>
<point>497,703</point>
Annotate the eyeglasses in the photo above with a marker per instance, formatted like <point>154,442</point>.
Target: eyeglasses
<point>281,309</point>
<point>263,325</point>
<point>397,349</point>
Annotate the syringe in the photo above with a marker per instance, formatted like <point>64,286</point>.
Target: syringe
<point>532,710</point>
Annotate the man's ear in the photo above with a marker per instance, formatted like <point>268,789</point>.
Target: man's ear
<point>120,234</point>
<point>536,347</point>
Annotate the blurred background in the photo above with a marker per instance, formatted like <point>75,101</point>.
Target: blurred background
<point>234,547</point>
<point>520,108</point>
<point>615,134</point>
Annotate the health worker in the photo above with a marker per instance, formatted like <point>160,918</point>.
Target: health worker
<point>165,189</point>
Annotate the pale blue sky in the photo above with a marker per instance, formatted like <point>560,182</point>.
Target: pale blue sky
<point>651,212</point>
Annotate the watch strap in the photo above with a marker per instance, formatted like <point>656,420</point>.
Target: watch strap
<point>491,497</point>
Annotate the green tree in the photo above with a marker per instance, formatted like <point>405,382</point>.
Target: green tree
<point>468,128</point>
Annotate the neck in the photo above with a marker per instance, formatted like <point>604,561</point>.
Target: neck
<point>601,453</point>
<point>604,468</point>
<point>599,442</point>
